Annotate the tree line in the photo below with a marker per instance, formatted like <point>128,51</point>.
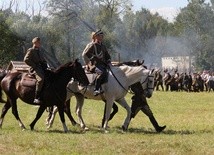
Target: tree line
<point>65,27</point>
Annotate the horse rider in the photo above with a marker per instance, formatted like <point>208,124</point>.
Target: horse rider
<point>36,60</point>
<point>97,58</point>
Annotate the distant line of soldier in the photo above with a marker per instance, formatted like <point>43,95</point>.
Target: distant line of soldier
<point>192,82</point>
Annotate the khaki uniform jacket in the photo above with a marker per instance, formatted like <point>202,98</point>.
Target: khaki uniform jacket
<point>35,59</point>
<point>95,50</point>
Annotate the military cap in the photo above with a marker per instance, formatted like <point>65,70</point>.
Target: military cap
<point>98,32</point>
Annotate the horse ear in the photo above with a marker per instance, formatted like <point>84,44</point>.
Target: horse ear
<point>152,70</point>
<point>76,60</point>
<point>142,62</point>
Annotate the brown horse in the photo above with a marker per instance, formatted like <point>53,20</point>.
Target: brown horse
<point>53,93</point>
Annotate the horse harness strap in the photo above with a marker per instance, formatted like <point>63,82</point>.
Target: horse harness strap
<point>147,83</point>
<point>119,82</point>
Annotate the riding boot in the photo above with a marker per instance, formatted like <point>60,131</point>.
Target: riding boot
<point>155,124</point>
<point>37,98</point>
<point>97,89</point>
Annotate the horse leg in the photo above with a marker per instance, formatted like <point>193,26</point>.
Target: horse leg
<point>15,112</point>
<point>38,115</point>
<point>52,117</point>
<point>124,104</point>
<point>1,95</point>
<point>2,101</point>
<point>50,110</point>
<point>115,110</point>
<point>68,113</point>
<point>147,111</point>
<point>62,117</point>
<point>109,104</point>
<point>3,113</point>
<point>79,105</point>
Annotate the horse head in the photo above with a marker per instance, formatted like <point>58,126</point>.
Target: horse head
<point>147,82</point>
<point>79,73</point>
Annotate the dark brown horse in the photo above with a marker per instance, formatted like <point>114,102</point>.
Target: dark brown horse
<point>53,93</point>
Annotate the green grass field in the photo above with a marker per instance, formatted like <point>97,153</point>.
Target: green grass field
<point>189,118</point>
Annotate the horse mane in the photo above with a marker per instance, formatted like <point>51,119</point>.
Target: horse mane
<point>129,69</point>
<point>63,67</point>
<point>53,74</point>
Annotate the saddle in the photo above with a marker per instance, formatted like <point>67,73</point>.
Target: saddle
<point>28,80</point>
<point>92,76</point>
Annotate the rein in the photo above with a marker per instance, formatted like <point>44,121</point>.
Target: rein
<point>119,81</point>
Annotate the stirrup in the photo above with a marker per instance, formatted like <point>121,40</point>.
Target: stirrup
<point>36,101</point>
<point>97,92</point>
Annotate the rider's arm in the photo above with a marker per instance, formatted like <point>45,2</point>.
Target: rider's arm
<point>29,59</point>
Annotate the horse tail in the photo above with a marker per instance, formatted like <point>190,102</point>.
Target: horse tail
<point>2,75</point>
<point>1,96</point>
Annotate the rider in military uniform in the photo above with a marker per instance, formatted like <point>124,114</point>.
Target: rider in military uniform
<point>97,58</point>
<point>35,59</point>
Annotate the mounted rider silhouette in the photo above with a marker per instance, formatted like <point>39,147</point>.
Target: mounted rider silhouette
<point>35,59</point>
<point>97,59</point>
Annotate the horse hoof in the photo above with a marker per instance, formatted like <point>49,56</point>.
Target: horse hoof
<point>161,128</point>
<point>49,126</point>
<point>124,128</point>
<point>31,128</point>
<point>47,123</point>
<point>86,129</point>
<point>106,131</point>
<point>23,128</point>
<point>74,124</point>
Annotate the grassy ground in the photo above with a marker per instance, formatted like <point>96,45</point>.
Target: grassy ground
<point>189,118</point>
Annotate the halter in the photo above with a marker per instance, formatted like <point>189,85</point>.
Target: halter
<point>147,85</point>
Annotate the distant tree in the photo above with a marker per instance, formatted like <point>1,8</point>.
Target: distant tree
<point>9,41</point>
<point>137,29</point>
<point>195,24</point>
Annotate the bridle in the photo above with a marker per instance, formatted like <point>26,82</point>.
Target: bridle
<point>147,85</point>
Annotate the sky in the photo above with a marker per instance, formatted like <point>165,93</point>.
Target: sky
<point>166,8</point>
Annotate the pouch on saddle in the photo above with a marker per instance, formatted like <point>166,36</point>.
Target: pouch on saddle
<point>93,76</point>
<point>28,80</point>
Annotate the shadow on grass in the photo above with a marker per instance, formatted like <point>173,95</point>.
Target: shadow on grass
<point>57,131</point>
<point>117,129</point>
<point>167,132</point>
